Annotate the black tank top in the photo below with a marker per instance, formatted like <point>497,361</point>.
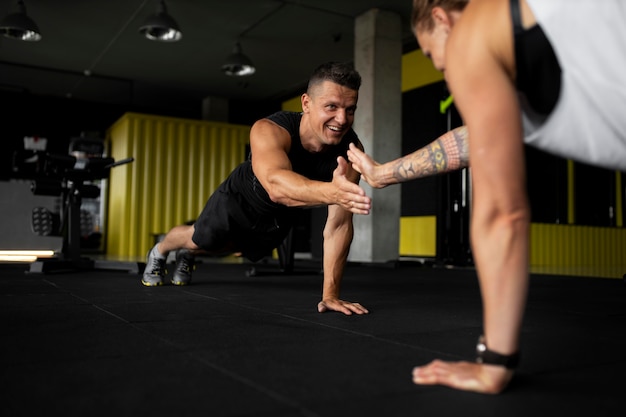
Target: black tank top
<point>538,73</point>
<point>316,166</point>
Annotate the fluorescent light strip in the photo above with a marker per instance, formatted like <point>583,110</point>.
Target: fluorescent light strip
<point>40,253</point>
<point>24,255</point>
<point>17,258</point>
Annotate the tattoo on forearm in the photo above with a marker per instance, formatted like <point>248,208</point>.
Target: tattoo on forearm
<point>456,148</point>
<point>461,137</point>
<point>448,153</point>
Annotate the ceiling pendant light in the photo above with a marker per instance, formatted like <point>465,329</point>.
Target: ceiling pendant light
<point>237,64</point>
<point>161,26</point>
<point>19,26</point>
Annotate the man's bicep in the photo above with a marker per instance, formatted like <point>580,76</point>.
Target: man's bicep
<point>268,145</point>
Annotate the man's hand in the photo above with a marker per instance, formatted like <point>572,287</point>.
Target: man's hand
<point>348,194</point>
<point>345,307</point>
<point>466,376</point>
<point>365,165</point>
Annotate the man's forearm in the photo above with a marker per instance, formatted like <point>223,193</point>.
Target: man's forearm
<point>336,247</point>
<point>334,264</point>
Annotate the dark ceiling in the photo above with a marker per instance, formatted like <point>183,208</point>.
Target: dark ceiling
<point>92,50</point>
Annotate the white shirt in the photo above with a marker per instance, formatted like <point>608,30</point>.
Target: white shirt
<point>588,123</point>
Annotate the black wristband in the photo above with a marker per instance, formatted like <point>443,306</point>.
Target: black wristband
<point>489,357</point>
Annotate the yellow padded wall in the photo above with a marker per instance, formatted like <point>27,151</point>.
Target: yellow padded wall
<point>178,164</point>
<point>418,236</point>
<point>418,71</point>
<point>294,104</point>
<point>578,250</point>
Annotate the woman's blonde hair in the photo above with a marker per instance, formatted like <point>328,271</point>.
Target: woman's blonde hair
<point>421,17</point>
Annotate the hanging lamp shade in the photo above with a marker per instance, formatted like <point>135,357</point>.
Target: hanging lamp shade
<point>161,26</point>
<point>237,64</point>
<point>19,26</point>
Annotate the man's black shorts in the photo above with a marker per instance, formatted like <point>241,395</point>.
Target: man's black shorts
<point>227,221</point>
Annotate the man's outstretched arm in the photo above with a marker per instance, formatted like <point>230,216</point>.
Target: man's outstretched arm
<point>269,145</point>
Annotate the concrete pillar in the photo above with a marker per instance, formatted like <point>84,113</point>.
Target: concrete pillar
<point>215,109</point>
<point>378,122</point>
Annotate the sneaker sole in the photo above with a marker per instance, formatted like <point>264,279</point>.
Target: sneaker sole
<point>151,284</point>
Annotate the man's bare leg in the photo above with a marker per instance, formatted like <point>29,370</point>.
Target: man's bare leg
<point>179,237</point>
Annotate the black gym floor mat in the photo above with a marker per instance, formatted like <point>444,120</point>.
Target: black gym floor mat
<point>98,343</point>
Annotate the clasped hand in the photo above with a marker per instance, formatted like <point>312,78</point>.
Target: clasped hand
<point>348,194</point>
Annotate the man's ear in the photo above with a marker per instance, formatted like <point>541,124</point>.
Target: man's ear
<point>305,100</point>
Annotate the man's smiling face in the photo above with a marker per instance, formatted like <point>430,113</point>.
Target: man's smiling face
<point>330,110</point>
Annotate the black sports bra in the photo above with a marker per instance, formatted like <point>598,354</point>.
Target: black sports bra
<point>537,68</point>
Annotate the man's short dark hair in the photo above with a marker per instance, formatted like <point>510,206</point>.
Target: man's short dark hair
<point>342,73</point>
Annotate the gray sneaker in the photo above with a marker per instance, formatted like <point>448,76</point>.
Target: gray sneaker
<point>154,272</point>
<point>185,265</point>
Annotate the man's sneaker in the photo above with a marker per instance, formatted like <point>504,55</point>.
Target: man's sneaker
<point>185,265</point>
<point>154,272</point>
